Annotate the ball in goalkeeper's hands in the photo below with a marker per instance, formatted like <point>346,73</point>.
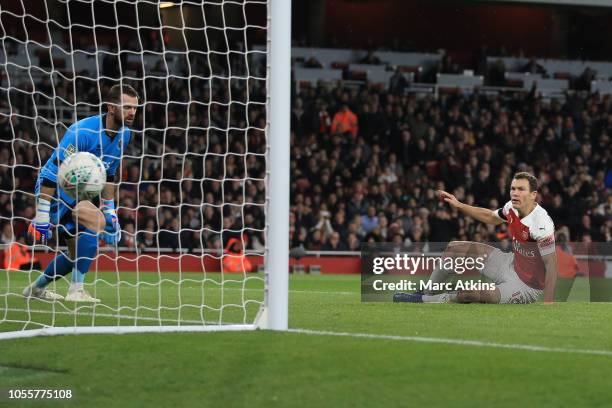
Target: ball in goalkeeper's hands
<point>82,176</point>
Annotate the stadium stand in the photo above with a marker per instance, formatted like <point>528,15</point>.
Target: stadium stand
<point>371,185</point>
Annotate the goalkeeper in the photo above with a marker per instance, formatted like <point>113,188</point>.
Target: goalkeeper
<point>106,136</point>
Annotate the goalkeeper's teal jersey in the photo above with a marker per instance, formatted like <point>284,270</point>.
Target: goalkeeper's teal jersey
<point>89,135</point>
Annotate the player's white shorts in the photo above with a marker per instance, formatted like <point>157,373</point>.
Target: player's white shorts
<point>500,269</point>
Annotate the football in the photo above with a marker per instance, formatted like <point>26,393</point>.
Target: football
<point>82,176</point>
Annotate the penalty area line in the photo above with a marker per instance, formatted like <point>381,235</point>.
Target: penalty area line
<point>457,342</point>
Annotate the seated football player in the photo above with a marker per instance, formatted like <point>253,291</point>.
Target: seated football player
<point>520,276</point>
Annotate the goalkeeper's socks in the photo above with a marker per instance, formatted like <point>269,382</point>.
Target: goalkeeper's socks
<point>75,287</point>
<point>86,249</point>
<point>87,246</point>
<point>78,277</point>
<point>59,266</point>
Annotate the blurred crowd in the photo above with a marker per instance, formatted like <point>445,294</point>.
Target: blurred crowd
<point>366,164</point>
<point>193,175</point>
<point>365,161</point>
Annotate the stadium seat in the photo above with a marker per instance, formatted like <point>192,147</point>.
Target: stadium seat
<point>461,82</point>
<point>602,87</point>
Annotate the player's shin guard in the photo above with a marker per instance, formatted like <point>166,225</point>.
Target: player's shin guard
<point>59,266</point>
<point>86,249</point>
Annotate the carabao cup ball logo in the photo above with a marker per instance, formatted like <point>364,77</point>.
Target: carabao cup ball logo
<point>78,177</point>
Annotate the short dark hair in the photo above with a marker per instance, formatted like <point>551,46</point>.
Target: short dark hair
<point>114,94</point>
<point>533,182</point>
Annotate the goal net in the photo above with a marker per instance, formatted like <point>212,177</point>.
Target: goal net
<point>196,184</point>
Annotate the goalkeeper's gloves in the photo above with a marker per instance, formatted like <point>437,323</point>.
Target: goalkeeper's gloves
<point>112,230</point>
<point>40,227</point>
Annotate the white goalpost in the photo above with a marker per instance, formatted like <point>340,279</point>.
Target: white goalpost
<point>203,187</point>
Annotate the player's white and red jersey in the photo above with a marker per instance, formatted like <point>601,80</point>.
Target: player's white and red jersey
<point>532,237</point>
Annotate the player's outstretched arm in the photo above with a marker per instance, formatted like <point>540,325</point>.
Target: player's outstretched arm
<point>550,281</point>
<point>478,213</point>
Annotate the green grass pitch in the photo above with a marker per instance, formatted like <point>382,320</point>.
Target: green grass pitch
<point>262,368</point>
